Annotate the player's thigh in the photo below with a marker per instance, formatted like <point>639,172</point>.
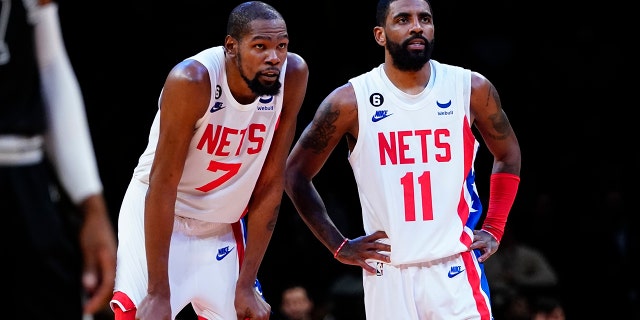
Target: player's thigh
<point>131,263</point>
<point>386,295</point>
<point>203,271</point>
<point>444,289</point>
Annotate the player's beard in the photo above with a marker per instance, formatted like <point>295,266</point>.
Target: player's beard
<point>409,60</point>
<point>256,86</point>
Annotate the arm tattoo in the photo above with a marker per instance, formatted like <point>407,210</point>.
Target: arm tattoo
<point>321,130</point>
<point>499,120</point>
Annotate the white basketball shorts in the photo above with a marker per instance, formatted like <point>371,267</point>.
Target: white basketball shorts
<point>445,289</point>
<point>203,260</point>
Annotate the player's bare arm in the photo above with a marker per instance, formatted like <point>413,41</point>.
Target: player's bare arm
<point>494,126</point>
<point>265,202</point>
<point>269,188</point>
<point>314,147</point>
<point>184,99</point>
<point>335,118</point>
<point>98,245</point>
<point>492,123</point>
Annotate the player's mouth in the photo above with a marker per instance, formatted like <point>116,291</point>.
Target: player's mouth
<point>270,74</point>
<point>416,44</point>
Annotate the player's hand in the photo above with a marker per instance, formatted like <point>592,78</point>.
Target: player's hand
<point>98,243</point>
<point>154,307</point>
<point>250,304</point>
<point>484,242</point>
<point>357,251</point>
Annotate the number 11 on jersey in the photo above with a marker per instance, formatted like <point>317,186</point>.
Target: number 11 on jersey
<point>408,186</point>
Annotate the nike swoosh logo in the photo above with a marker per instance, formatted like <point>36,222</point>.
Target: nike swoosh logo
<point>454,273</point>
<point>444,105</point>
<point>223,253</point>
<point>377,118</point>
<point>216,107</point>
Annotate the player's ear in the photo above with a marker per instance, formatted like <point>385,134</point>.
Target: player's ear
<point>378,34</point>
<point>230,45</point>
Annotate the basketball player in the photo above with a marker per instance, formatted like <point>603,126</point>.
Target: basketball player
<point>217,150</point>
<point>408,125</point>
<point>55,267</point>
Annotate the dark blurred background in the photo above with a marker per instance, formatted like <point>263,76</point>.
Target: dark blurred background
<point>564,78</point>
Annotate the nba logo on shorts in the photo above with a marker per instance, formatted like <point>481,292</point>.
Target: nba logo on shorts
<point>379,269</point>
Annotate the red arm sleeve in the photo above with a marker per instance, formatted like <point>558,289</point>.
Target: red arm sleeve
<point>502,193</point>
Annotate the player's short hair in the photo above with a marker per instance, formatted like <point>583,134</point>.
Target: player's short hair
<point>383,9</point>
<point>240,18</point>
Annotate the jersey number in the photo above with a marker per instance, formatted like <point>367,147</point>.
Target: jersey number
<point>230,168</point>
<point>424,183</point>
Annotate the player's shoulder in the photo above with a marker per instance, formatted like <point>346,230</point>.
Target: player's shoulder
<point>479,81</point>
<point>342,97</point>
<point>449,71</point>
<point>296,64</point>
<point>297,74</point>
<point>189,70</point>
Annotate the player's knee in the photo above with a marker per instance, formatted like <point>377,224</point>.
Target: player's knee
<point>122,306</point>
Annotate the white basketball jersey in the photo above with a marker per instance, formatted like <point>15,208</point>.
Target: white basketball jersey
<point>413,163</point>
<point>227,151</point>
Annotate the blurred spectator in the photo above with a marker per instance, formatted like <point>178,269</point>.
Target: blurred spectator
<point>518,265</point>
<point>516,307</point>
<point>517,273</point>
<point>299,302</point>
<point>547,308</point>
<point>296,304</point>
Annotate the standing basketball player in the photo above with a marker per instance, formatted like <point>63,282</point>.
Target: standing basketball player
<point>217,151</point>
<point>408,126</point>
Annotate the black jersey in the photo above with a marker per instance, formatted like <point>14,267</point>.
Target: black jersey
<point>21,106</point>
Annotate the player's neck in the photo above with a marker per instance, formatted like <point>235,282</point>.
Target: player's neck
<point>237,85</point>
<point>410,82</point>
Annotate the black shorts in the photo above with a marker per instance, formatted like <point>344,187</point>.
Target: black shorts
<point>40,234</point>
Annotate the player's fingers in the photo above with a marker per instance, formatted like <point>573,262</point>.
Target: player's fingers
<point>367,267</point>
<point>476,245</point>
<point>90,279</point>
<point>99,287</point>
<point>381,257</point>
<point>378,235</point>
<point>100,295</point>
<point>484,257</point>
<point>98,300</point>
<point>383,247</point>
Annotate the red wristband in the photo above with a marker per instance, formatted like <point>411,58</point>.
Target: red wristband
<point>502,193</point>
<point>335,254</point>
